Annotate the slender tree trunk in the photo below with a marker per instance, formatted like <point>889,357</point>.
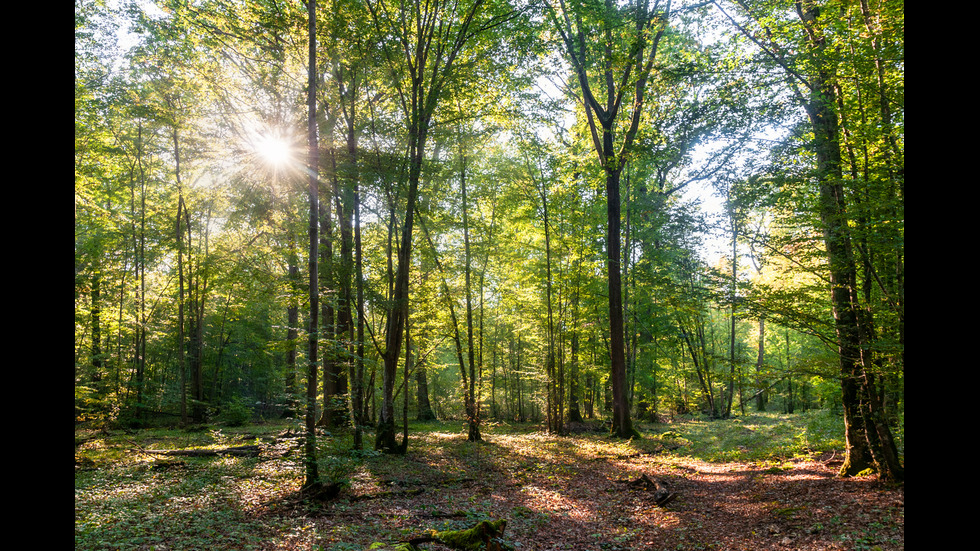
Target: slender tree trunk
<point>357,375</point>
<point>553,395</point>
<point>574,391</point>
<point>760,398</point>
<point>199,288</point>
<point>622,424</point>
<point>339,328</point>
<point>292,321</point>
<point>332,323</point>
<point>649,28</point>
<point>140,251</point>
<point>95,314</point>
<point>472,413</point>
<point>427,75</point>
<point>312,471</point>
<point>734,298</point>
<point>181,348</point>
<point>396,317</point>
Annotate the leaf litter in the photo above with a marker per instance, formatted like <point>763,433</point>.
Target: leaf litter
<point>564,492</point>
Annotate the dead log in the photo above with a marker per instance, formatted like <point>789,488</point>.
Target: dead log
<point>661,494</point>
<point>393,493</point>
<point>236,451</point>
<point>485,536</point>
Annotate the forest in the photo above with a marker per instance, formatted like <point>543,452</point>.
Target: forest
<point>371,222</point>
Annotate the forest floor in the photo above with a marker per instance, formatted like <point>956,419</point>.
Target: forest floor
<point>755,483</point>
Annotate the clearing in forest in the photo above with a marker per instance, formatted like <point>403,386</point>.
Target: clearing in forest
<point>756,482</point>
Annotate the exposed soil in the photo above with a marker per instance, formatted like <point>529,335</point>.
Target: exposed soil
<point>572,493</point>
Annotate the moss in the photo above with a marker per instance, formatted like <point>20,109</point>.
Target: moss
<point>485,536</point>
<point>787,512</point>
<point>402,546</point>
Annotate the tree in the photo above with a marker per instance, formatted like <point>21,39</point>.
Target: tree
<point>618,76</point>
<point>813,76</point>
<point>313,165</point>
<point>426,42</point>
<point>472,411</point>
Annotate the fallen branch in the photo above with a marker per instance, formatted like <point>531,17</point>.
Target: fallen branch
<point>236,451</point>
<point>392,493</point>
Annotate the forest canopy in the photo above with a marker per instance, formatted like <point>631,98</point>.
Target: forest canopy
<point>364,211</point>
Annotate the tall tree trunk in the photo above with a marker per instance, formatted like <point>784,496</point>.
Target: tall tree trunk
<point>472,413</point>
<point>868,442</point>
<point>427,75</point>
<point>760,398</point>
<point>553,396</point>
<point>622,424</point>
<point>602,115</point>
<point>398,311</point>
<point>95,314</point>
<point>336,323</point>
<point>574,391</point>
<point>292,321</point>
<point>332,318</point>
<point>734,293</point>
<point>357,373</point>
<point>198,288</point>
<point>139,246</point>
<point>181,346</point>
<point>312,471</point>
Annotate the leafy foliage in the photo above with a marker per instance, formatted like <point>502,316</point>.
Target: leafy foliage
<point>189,280</point>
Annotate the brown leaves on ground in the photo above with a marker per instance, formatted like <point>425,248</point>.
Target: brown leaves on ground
<point>562,493</point>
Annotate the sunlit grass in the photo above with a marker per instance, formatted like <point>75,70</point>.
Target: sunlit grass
<point>755,437</point>
<point>127,497</point>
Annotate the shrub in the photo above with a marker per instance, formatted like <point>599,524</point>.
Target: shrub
<point>236,413</point>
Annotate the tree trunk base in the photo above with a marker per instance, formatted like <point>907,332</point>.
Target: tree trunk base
<point>662,496</point>
<point>320,491</point>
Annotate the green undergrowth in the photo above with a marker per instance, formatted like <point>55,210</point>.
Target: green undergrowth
<point>129,497</point>
<point>751,438</point>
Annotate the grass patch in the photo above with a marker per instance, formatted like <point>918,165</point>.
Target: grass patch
<point>752,438</point>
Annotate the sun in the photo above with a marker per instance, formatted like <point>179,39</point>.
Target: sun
<point>274,149</point>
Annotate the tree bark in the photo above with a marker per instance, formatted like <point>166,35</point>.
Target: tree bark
<point>292,321</point>
<point>357,372</point>
<point>760,399</point>
<point>423,405</point>
<point>312,471</point>
<point>868,442</point>
<point>472,413</point>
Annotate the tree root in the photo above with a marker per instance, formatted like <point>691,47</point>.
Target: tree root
<point>661,494</point>
<point>320,491</point>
